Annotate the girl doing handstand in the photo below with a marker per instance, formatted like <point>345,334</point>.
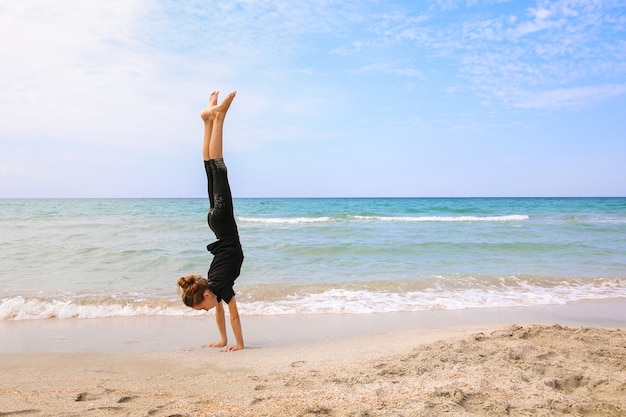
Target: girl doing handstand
<point>197,292</point>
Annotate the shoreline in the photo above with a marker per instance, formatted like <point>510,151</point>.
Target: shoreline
<point>455,363</point>
<point>166,333</point>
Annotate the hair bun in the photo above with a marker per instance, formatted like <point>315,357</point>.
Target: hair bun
<point>187,281</point>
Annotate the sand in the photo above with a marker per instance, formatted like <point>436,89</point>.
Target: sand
<point>407,369</point>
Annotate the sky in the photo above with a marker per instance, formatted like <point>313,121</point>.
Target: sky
<point>355,98</point>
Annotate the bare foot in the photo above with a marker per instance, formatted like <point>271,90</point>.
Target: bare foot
<point>213,98</point>
<point>213,109</point>
<point>206,112</point>
<point>215,344</point>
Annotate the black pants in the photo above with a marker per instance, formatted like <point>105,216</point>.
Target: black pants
<point>221,217</point>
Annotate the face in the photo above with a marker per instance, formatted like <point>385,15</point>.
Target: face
<point>209,300</point>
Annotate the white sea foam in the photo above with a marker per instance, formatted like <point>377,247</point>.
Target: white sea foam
<point>364,302</point>
<point>19,308</point>
<point>284,220</point>
<point>330,301</point>
<point>507,218</point>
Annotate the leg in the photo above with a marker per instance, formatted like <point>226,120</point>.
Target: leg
<point>213,116</point>
<point>221,215</point>
<point>208,125</point>
<point>219,111</point>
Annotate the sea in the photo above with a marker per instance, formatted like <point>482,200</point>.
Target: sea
<point>97,258</point>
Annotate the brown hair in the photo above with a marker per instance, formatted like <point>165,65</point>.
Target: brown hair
<point>191,288</point>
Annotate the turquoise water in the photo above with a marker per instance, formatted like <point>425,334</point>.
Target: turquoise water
<point>86,258</point>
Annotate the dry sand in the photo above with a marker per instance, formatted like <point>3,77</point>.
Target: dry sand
<point>494,370</point>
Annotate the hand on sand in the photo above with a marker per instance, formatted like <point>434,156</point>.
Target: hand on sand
<point>232,348</point>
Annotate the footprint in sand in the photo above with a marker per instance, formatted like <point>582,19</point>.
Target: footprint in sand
<point>87,396</point>
<point>126,399</point>
<point>160,411</point>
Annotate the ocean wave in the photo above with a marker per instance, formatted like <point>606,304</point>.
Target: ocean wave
<point>506,218</point>
<point>508,292</point>
<point>20,308</point>
<point>372,218</point>
<point>284,220</point>
<point>587,219</point>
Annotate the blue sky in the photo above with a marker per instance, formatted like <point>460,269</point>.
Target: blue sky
<point>335,98</point>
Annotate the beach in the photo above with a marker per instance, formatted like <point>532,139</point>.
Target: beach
<point>350,307</point>
<point>547,360</point>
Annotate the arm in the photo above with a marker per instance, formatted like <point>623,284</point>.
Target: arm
<point>235,322</point>
<point>221,326</point>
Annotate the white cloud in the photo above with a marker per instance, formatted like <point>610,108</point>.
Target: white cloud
<point>545,50</point>
<point>540,23</point>
<point>540,13</point>
<point>75,67</point>
<point>132,72</point>
<point>549,58</point>
<point>390,68</point>
<point>564,97</point>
